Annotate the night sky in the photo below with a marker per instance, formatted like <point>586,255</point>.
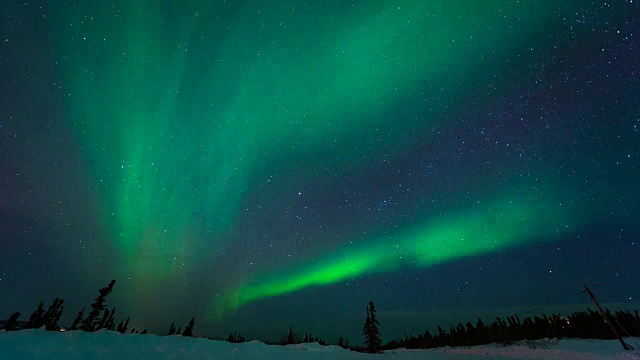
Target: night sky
<point>261,164</point>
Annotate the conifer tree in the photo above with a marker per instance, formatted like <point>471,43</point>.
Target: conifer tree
<point>126,324</point>
<point>12,322</point>
<point>103,320</point>
<point>35,320</point>
<point>291,337</point>
<point>343,342</point>
<point>52,316</point>
<point>110,324</point>
<point>367,325</point>
<point>93,320</point>
<point>122,327</point>
<point>179,330</point>
<point>372,340</point>
<point>189,330</point>
<point>172,329</point>
<point>235,338</point>
<point>76,321</point>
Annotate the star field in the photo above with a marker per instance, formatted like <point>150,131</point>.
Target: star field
<point>243,161</point>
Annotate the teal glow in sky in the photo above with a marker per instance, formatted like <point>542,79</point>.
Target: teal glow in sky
<point>507,223</point>
<point>180,114</point>
<point>240,154</point>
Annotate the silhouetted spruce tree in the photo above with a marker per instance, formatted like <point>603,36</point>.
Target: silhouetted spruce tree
<point>103,320</point>
<point>122,327</point>
<point>76,321</point>
<point>179,330</point>
<point>53,314</point>
<point>372,340</point>
<point>126,324</point>
<point>12,322</point>
<point>235,338</point>
<point>189,329</point>
<point>144,331</point>
<point>367,325</point>
<point>35,320</point>
<point>291,338</point>
<point>172,329</point>
<point>481,332</point>
<point>111,320</point>
<point>93,320</point>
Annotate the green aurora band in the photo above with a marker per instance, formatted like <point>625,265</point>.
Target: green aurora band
<point>179,111</point>
<point>508,222</point>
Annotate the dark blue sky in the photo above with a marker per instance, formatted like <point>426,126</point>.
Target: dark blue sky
<point>263,165</point>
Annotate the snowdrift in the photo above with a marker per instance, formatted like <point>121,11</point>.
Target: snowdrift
<point>41,344</point>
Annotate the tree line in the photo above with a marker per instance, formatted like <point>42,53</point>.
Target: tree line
<point>586,324</point>
<point>99,317</point>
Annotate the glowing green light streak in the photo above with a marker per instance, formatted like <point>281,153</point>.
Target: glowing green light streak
<point>509,222</point>
<point>176,121</point>
<point>178,125</point>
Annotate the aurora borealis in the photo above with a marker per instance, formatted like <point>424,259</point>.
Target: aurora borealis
<point>235,160</point>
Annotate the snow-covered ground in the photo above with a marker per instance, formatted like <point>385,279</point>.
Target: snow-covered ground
<point>41,344</point>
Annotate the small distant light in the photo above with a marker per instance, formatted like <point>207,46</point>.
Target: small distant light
<point>63,330</point>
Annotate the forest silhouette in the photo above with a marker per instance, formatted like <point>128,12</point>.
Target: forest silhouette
<point>512,329</point>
